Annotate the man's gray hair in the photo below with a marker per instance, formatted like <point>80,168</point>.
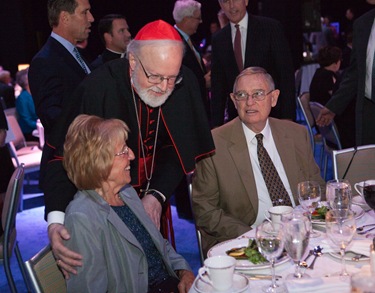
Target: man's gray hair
<point>184,8</point>
<point>255,70</point>
<point>135,46</point>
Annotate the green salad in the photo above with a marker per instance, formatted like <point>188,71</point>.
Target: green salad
<point>250,253</point>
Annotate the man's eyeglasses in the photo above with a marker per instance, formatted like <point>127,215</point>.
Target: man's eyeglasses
<point>197,18</point>
<point>125,151</point>
<point>256,96</point>
<point>156,79</point>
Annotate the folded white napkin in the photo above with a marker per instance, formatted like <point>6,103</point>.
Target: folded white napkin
<point>360,246</point>
<point>321,285</point>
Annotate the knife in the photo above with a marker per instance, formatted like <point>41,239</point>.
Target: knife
<point>251,276</point>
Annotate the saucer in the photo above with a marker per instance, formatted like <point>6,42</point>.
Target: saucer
<point>240,284</point>
<point>360,201</point>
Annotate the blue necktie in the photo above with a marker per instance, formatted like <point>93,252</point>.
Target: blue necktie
<point>80,60</point>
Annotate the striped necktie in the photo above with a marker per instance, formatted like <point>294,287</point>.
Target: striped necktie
<point>80,60</point>
<point>276,189</point>
<point>195,52</point>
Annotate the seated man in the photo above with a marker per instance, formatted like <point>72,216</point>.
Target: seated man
<point>230,194</point>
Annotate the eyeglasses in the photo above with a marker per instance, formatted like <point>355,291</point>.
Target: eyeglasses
<point>125,151</point>
<point>256,96</point>
<point>156,79</point>
<point>227,1</point>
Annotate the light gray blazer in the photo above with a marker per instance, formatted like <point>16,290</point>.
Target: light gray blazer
<point>113,259</point>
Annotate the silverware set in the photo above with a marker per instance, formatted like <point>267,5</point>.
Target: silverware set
<point>361,231</point>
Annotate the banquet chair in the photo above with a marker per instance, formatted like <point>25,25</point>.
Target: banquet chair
<point>331,139</point>
<point>355,164</point>
<point>44,273</point>
<point>189,179</point>
<point>316,139</point>
<point>8,241</point>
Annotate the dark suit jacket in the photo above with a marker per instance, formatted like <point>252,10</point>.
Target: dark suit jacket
<point>7,92</point>
<point>353,84</point>
<point>266,46</point>
<point>225,199</point>
<point>53,75</point>
<point>103,58</point>
<point>191,62</point>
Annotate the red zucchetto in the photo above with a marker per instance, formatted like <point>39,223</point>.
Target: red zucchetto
<point>157,30</point>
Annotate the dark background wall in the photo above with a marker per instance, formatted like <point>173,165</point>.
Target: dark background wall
<point>24,27</point>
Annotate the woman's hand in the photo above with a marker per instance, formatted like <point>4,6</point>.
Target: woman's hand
<point>186,280</point>
<point>66,259</point>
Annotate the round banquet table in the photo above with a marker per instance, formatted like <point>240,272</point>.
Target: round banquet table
<point>325,265</point>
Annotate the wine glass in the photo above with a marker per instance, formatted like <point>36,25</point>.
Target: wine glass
<point>271,244</point>
<point>341,227</point>
<point>296,237</point>
<point>309,195</point>
<point>339,194</point>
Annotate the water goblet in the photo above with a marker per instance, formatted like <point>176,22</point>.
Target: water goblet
<point>340,228</point>
<point>309,195</point>
<point>271,244</point>
<point>339,194</point>
<point>296,237</point>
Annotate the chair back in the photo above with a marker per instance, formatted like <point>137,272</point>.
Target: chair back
<point>330,133</point>
<point>19,139</point>
<point>10,207</point>
<point>189,179</point>
<point>303,101</point>
<point>44,273</point>
<point>355,164</point>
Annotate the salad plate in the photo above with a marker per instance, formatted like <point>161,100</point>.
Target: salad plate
<point>242,264</point>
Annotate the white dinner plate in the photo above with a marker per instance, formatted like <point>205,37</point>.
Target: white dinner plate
<point>348,256</point>
<point>358,213</point>
<point>242,264</point>
<point>240,284</point>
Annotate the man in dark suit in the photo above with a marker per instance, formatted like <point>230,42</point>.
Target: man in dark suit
<point>358,82</point>
<point>230,194</point>
<point>55,72</point>
<point>114,33</point>
<point>187,15</point>
<point>6,89</point>
<point>262,43</point>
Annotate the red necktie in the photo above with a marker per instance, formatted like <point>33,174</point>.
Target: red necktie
<point>238,48</point>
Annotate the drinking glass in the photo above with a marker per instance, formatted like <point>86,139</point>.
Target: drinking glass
<point>309,195</point>
<point>369,193</point>
<point>271,244</point>
<point>296,237</point>
<point>341,227</point>
<point>339,194</point>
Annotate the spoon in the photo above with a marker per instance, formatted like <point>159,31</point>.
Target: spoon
<point>317,252</point>
<point>359,229</point>
<point>311,252</point>
<point>364,232</point>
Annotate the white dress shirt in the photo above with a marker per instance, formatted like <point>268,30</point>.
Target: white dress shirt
<point>263,196</point>
<point>369,61</point>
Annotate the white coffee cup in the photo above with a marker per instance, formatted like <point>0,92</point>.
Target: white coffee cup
<point>218,272</point>
<point>276,212</point>
<point>359,186</point>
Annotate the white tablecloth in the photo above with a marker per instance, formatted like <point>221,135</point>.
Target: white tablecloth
<point>324,265</point>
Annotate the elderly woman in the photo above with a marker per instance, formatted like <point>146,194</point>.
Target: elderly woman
<point>122,249</point>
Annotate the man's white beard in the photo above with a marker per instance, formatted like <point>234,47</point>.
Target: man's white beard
<point>147,97</point>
